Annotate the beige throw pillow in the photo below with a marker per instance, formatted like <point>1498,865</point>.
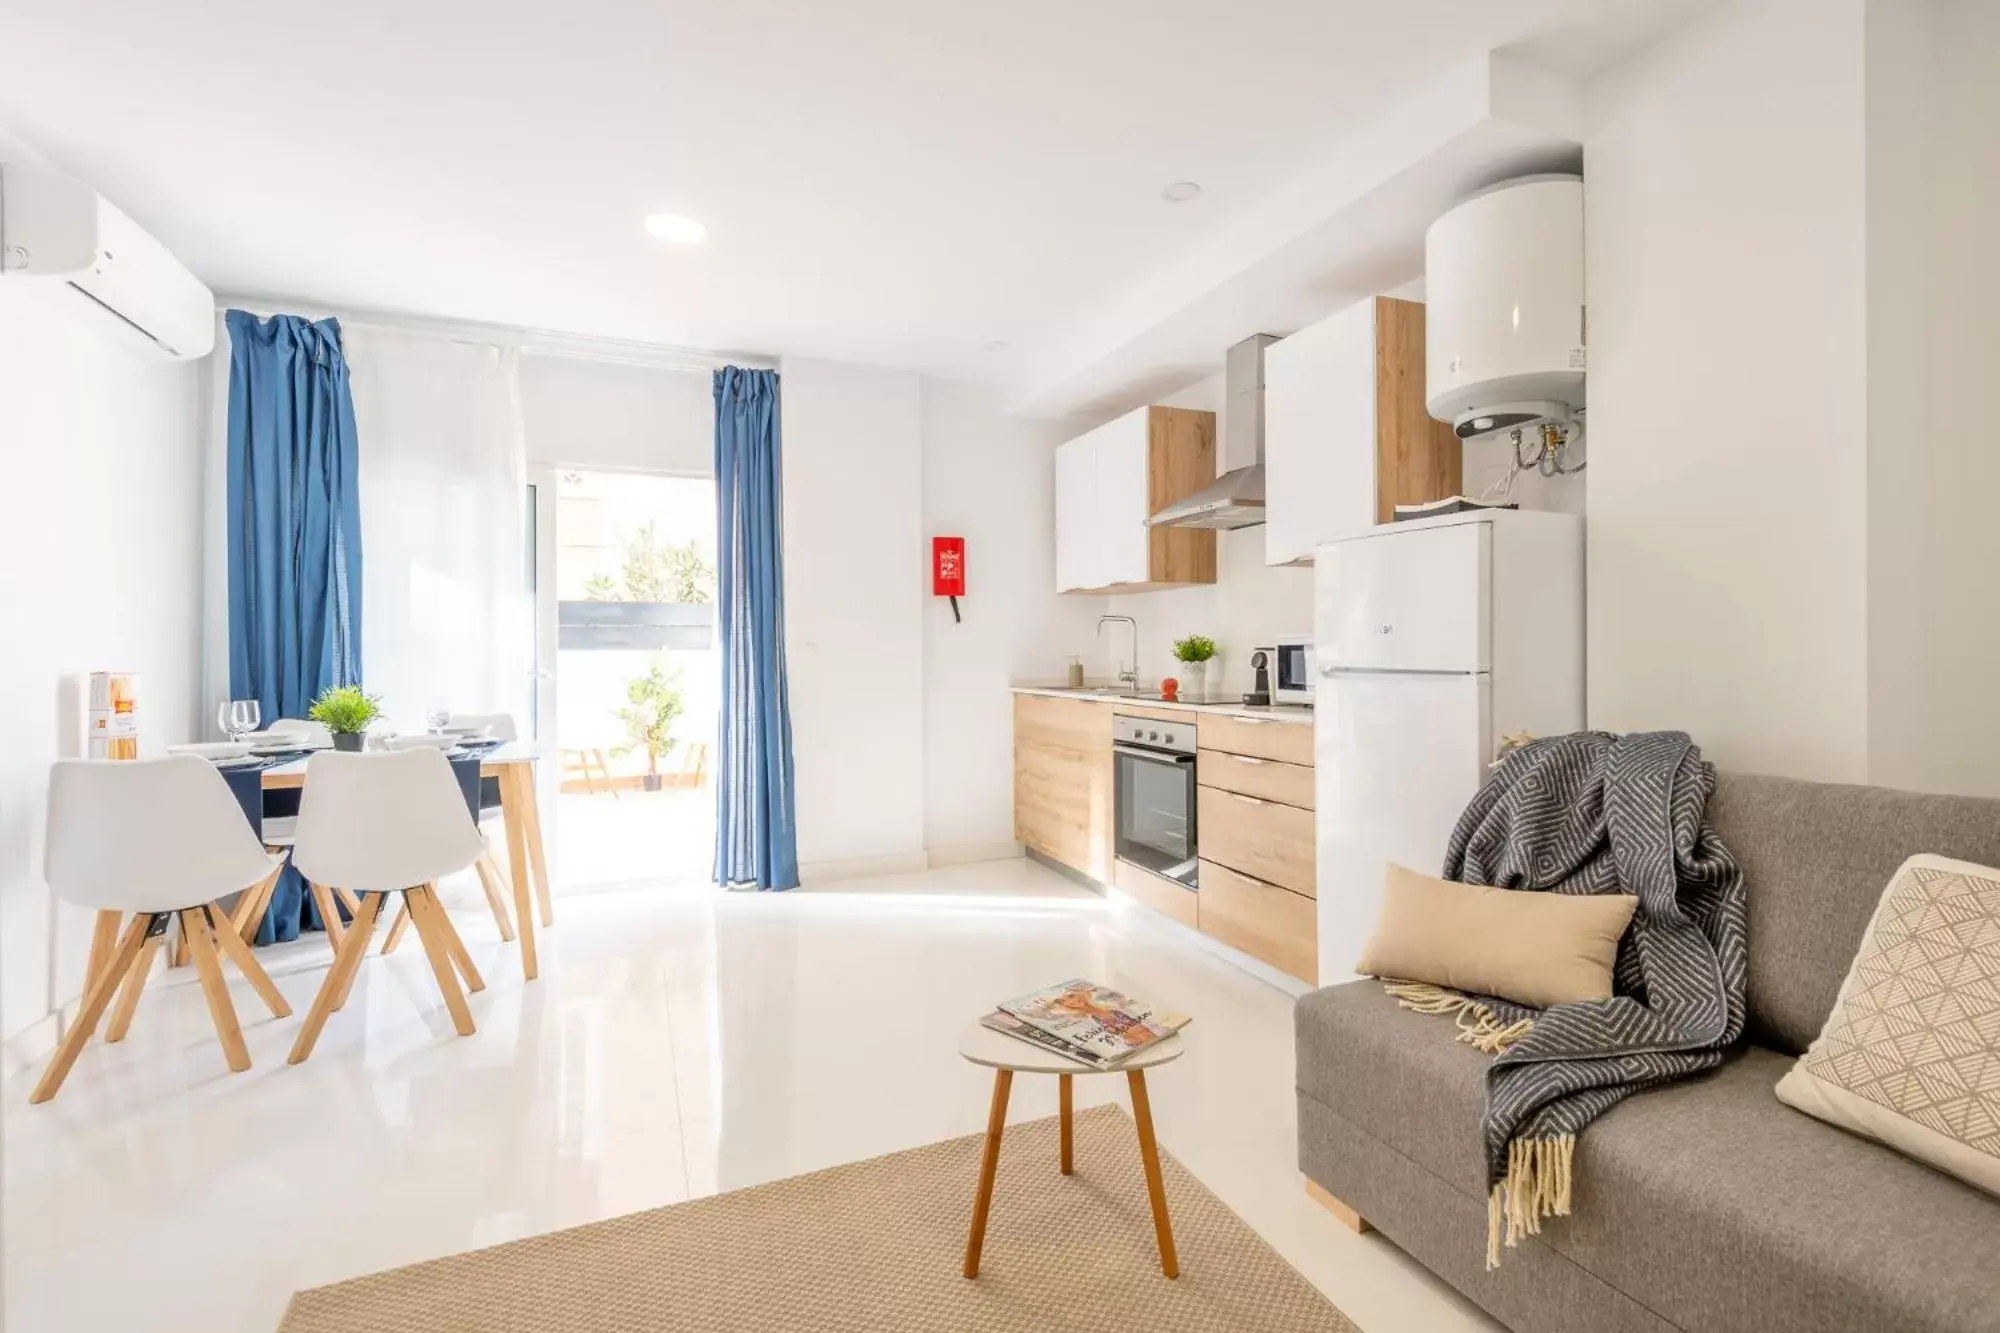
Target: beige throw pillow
<point>1532,948</point>
<point>1910,1055</point>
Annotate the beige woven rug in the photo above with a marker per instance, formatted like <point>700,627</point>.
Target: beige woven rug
<point>873,1245</point>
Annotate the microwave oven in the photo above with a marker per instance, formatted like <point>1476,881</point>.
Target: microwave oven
<point>1293,669</point>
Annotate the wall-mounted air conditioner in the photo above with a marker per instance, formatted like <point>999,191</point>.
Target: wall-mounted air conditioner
<point>59,231</point>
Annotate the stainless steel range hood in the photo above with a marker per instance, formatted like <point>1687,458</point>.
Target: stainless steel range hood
<point>1236,498</point>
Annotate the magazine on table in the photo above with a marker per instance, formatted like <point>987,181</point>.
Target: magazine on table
<point>1097,1025</point>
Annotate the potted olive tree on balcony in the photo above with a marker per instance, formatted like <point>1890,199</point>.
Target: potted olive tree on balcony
<point>652,706</point>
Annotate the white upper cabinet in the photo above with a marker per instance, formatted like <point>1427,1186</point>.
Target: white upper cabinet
<point>1346,436</point>
<point>1124,540</point>
<point>1077,562</point>
<point>1110,481</point>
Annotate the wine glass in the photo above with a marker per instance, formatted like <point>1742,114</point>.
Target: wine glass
<point>439,718</point>
<point>243,717</point>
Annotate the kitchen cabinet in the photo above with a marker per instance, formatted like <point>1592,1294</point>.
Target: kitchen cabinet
<point>1346,435</point>
<point>1109,481</point>
<point>1257,835</point>
<point>1062,781</point>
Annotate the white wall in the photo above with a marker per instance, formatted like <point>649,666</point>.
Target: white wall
<point>855,586</point>
<point>1248,604</point>
<point>990,479</point>
<point>100,568</point>
<point>1724,259</point>
<point>1960,550</point>
<point>588,413</point>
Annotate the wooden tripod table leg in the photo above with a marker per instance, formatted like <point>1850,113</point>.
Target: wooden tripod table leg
<point>1149,1155</point>
<point>516,790</point>
<point>989,1163</point>
<point>1066,1097</point>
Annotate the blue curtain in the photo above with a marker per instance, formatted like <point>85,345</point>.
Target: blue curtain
<point>294,532</point>
<point>755,830</point>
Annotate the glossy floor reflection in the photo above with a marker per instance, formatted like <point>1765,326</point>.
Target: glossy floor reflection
<point>680,1042</point>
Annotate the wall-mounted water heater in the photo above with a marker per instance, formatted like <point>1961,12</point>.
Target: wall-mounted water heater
<point>1503,287</point>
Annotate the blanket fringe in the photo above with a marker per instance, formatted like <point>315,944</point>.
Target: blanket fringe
<point>1478,1025</point>
<point>1537,1185</point>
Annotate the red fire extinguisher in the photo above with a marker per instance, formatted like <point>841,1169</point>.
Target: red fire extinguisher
<point>948,570</point>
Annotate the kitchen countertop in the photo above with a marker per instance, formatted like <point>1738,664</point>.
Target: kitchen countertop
<point>1296,714</point>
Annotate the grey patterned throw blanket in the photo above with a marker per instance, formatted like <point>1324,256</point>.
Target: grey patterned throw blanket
<point>1596,813</point>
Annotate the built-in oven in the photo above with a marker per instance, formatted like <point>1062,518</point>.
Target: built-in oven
<point>1153,795</point>
<point>1292,670</point>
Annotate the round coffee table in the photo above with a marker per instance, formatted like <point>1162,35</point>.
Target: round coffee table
<point>1007,1056</point>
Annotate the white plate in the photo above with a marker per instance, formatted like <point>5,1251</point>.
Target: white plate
<point>469,733</point>
<point>212,750</point>
<point>424,742</point>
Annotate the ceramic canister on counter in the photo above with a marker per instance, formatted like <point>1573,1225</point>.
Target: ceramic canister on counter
<point>114,715</point>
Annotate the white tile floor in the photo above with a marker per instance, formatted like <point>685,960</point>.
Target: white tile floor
<point>679,1042</point>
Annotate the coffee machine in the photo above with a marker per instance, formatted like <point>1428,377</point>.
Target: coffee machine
<point>1260,687</point>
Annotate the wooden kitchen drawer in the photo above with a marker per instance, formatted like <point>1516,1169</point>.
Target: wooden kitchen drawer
<point>1081,725</point>
<point>1263,839</point>
<point>1288,742</point>
<point>1263,920</point>
<point>1158,892</point>
<point>1288,784</point>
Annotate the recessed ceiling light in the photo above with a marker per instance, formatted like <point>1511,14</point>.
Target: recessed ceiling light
<point>675,229</point>
<point>1179,192</point>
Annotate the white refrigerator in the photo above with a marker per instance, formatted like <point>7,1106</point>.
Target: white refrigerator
<point>1435,638</point>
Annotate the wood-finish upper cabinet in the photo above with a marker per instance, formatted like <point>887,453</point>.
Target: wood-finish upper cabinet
<point>1346,434</point>
<point>1109,481</point>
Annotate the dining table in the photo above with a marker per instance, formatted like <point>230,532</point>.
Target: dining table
<point>512,765</point>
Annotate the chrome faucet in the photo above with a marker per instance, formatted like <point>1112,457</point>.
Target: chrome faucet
<point>1127,675</point>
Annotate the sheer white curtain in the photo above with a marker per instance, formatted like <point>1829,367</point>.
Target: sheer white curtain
<point>446,612</point>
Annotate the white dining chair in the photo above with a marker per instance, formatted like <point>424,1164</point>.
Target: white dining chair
<point>393,821</point>
<point>162,839</point>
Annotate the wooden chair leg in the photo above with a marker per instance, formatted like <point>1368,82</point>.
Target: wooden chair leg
<point>455,946</point>
<point>132,987</point>
<point>252,906</point>
<point>439,954</point>
<point>989,1165</point>
<point>344,965</point>
<point>1156,1189</point>
<point>96,997</point>
<point>104,933</point>
<point>496,898</point>
<point>221,1011</point>
<point>329,915</point>
<point>604,767</point>
<point>348,900</point>
<point>1065,1095</point>
<point>397,927</point>
<point>246,962</point>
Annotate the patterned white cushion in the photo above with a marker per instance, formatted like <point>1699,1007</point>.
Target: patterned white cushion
<point>1910,1055</point>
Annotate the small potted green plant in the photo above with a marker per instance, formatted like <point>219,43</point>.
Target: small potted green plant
<point>654,705</point>
<point>1194,654</point>
<point>347,712</point>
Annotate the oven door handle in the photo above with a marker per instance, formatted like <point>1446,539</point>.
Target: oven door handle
<point>1152,756</point>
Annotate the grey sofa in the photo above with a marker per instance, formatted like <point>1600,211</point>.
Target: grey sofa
<point>1706,1205</point>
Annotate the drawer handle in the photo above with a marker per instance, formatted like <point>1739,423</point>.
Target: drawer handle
<point>1252,800</point>
<point>1248,759</point>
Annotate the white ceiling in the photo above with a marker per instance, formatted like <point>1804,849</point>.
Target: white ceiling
<point>890,181</point>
